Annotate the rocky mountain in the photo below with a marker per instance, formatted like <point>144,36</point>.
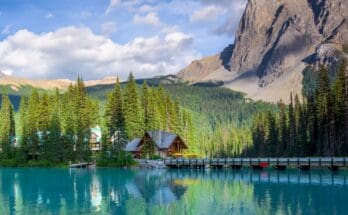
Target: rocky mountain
<point>16,83</point>
<point>275,41</point>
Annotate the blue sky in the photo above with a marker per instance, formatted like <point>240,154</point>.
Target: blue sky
<point>97,38</point>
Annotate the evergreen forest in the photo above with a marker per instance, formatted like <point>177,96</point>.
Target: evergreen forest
<point>53,128</point>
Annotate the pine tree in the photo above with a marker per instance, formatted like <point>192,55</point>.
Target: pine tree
<point>292,128</point>
<point>115,120</point>
<point>284,132</point>
<point>272,137</point>
<point>32,139</point>
<point>340,111</point>
<point>312,124</point>
<point>43,113</point>
<point>259,136</point>
<point>161,104</point>
<point>23,114</point>
<point>150,109</point>
<point>53,150</point>
<point>322,106</point>
<point>132,110</point>
<point>298,117</point>
<point>146,106</point>
<point>7,126</point>
<point>82,121</point>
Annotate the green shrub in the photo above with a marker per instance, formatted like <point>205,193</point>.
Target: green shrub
<point>118,160</point>
<point>8,163</point>
<point>155,157</point>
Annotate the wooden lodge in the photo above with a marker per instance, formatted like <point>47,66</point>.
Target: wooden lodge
<point>165,144</point>
<point>95,139</point>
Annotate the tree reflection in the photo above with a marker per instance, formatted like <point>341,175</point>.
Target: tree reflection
<point>122,191</point>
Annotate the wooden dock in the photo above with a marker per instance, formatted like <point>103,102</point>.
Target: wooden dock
<point>333,163</point>
<point>81,165</point>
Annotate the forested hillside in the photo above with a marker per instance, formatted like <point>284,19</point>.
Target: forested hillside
<point>316,126</point>
<point>54,127</point>
<point>221,117</point>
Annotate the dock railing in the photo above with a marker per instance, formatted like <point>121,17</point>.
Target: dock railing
<point>278,163</point>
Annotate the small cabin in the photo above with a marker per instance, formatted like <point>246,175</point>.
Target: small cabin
<point>165,144</point>
<point>95,139</point>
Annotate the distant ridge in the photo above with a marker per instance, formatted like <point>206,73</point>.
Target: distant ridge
<point>16,83</point>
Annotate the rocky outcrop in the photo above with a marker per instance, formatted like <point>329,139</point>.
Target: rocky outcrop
<point>276,39</point>
<point>273,38</point>
<point>199,69</point>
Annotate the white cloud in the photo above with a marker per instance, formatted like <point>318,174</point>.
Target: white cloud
<point>112,5</point>
<point>64,53</point>
<point>49,16</point>
<point>148,19</point>
<point>207,13</point>
<point>146,8</point>
<point>108,28</point>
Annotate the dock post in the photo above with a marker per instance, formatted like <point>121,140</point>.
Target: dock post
<point>309,161</point>
<point>344,161</point>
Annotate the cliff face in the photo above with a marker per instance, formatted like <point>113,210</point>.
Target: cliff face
<point>277,38</point>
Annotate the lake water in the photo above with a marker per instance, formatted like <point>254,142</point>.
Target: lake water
<point>121,191</point>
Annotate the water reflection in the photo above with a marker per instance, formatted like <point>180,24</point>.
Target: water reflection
<point>121,191</point>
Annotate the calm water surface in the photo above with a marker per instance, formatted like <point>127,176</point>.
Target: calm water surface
<point>120,191</point>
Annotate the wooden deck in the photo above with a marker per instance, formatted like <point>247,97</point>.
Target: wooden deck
<point>81,165</point>
<point>332,163</point>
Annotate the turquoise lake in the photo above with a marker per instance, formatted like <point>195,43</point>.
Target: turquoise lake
<point>140,191</point>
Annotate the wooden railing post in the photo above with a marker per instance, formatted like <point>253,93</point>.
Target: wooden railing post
<point>344,161</point>
<point>298,161</point>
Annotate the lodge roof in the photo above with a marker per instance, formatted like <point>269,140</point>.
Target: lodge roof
<point>162,139</point>
<point>133,145</point>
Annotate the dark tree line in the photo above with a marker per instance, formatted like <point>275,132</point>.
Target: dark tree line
<point>317,126</point>
<point>53,129</point>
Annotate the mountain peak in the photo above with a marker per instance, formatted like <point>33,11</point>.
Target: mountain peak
<point>272,46</point>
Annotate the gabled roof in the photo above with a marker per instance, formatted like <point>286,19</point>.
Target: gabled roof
<point>132,145</point>
<point>162,139</point>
